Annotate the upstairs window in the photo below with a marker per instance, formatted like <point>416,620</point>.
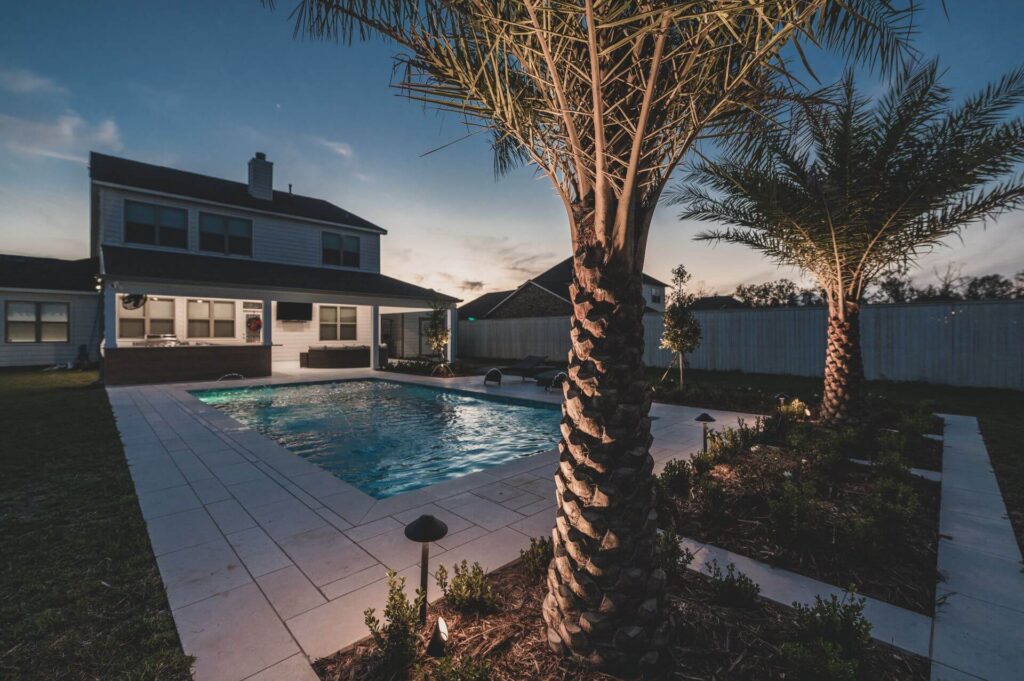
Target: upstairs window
<point>26,322</point>
<point>655,296</point>
<point>337,323</point>
<point>339,249</point>
<point>211,319</point>
<point>224,234</point>
<point>155,318</point>
<point>147,223</point>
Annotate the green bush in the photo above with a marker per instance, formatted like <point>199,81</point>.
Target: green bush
<point>713,497</point>
<point>460,669</point>
<point>730,443</point>
<point>837,621</point>
<point>394,640</point>
<point>831,639</point>
<point>670,556</point>
<point>676,478</point>
<point>818,661</point>
<point>537,558</point>
<point>794,514</point>
<point>891,509</point>
<point>732,587</point>
<point>469,590</point>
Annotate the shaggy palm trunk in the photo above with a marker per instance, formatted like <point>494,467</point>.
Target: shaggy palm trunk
<point>604,601</point>
<point>844,367</point>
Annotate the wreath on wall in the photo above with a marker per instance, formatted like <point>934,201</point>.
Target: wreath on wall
<point>254,324</point>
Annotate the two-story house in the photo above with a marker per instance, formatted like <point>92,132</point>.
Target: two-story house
<point>198,277</point>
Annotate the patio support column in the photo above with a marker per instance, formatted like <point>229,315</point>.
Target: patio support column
<point>375,336</point>
<point>453,331</point>
<point>268,322</point>
<point>109,316</point>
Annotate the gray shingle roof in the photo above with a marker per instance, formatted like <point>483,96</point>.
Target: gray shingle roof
<point>22,271</point>
<point>152,265</point>
<point>124,172</point>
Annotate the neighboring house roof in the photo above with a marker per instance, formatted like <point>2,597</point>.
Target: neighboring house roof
<point>22,271</point>
<point>479,307</point>
<point>554,281</point>
<point>717,303</point>
<point>151,265</point>
<point>123,172</point>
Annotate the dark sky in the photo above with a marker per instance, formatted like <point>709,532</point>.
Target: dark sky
<point>202,85</point>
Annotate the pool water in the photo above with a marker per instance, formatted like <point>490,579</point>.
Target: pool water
<point>385,437</point>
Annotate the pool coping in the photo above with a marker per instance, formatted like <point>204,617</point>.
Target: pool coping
<point>270,560</point>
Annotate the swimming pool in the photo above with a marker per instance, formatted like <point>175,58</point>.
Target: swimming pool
<point>386,437</point>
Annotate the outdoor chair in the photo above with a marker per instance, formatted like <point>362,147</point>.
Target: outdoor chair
<point>526,368</point>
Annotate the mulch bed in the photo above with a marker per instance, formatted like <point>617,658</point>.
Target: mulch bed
<point>904,574</point>
<point>711,642</point>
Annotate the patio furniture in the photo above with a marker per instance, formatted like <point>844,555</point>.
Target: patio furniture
<point>527,367</point>
<point>551,379</point>
<point>493,375</point>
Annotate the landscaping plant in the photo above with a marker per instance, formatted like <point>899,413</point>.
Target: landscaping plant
<point>469,590</point>
<point>732,587</point>
<point>605,99</point>
<point>851,188</point>
<point>681,333</point>
<point>394,639</point>
<point>832,637</point>
<point>537,558</point>
<point>460,669</point>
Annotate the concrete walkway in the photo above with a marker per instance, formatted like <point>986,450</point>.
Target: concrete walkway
<point>269,561</point>
<point>979,612</point>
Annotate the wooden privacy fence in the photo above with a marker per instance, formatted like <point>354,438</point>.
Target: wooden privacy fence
<point>977,343</point>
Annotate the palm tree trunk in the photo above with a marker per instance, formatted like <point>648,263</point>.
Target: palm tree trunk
<point>604,601</point>
<point>844,367</point>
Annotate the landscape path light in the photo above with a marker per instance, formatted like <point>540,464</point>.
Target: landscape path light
<point>704,419</point>
<point>781,399</point>
<point>425,529</point>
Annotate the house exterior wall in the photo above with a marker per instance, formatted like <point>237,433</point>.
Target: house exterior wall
<point>293,338</point>
<point>275,238</point>
<point>84,328</point>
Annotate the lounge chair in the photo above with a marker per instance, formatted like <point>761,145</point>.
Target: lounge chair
<point>551,379</point>
<point>526,367</point>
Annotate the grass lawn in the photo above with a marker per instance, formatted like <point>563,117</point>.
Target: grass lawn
<point>1000,413</point>
<point>80,595</point>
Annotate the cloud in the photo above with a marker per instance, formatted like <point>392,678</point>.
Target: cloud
<point>68,138</point>
<point>470,285</point>
<point>342,149</point>
<point>22,82</point>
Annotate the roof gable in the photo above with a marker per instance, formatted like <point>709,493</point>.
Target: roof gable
<point>147,177</point>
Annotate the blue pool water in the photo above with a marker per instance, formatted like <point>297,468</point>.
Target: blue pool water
<point>386,437</point>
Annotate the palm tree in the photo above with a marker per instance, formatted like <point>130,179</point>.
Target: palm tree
<point>604,98</point>
<point>849,191</point>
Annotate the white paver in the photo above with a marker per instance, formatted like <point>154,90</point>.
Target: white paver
<point>270,561</point>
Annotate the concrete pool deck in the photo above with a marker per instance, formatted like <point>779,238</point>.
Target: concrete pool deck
<point>269,561</point>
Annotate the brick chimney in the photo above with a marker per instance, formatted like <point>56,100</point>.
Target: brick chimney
<point>261,177</point>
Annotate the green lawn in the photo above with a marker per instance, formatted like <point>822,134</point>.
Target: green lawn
<point>1000,413</point>
<point>80,595</point>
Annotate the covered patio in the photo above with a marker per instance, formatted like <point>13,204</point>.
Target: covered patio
<point>174,317</point>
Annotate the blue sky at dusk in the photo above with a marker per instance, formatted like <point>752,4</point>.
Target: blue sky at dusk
<point>200,86</point>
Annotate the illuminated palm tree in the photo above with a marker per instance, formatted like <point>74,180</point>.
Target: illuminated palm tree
<point>604,97</point>
<point>849,191</point>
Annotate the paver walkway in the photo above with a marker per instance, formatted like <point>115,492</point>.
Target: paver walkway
<point>979,612</point>
<point>269,561</point>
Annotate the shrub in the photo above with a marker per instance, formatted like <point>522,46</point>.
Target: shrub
<point>820,661</point>
<point>460,669</point>
<point>536,558</point>
<point>676,478</point>
<point>732,588</point>
<point>794,409</point>
<point>671,557</point>
<point>713,497</point>
<point>831,638</point>
<point>794,514</point>
<point>469,590</point>
<point>730,443</point>
<point>891,509</point>
<point>838,621</point>
<point>394,640</point>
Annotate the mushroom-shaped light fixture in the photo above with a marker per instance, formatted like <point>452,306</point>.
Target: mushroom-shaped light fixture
<point>425,529</point>
<point>704,419</point>
<point>781,398</point>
